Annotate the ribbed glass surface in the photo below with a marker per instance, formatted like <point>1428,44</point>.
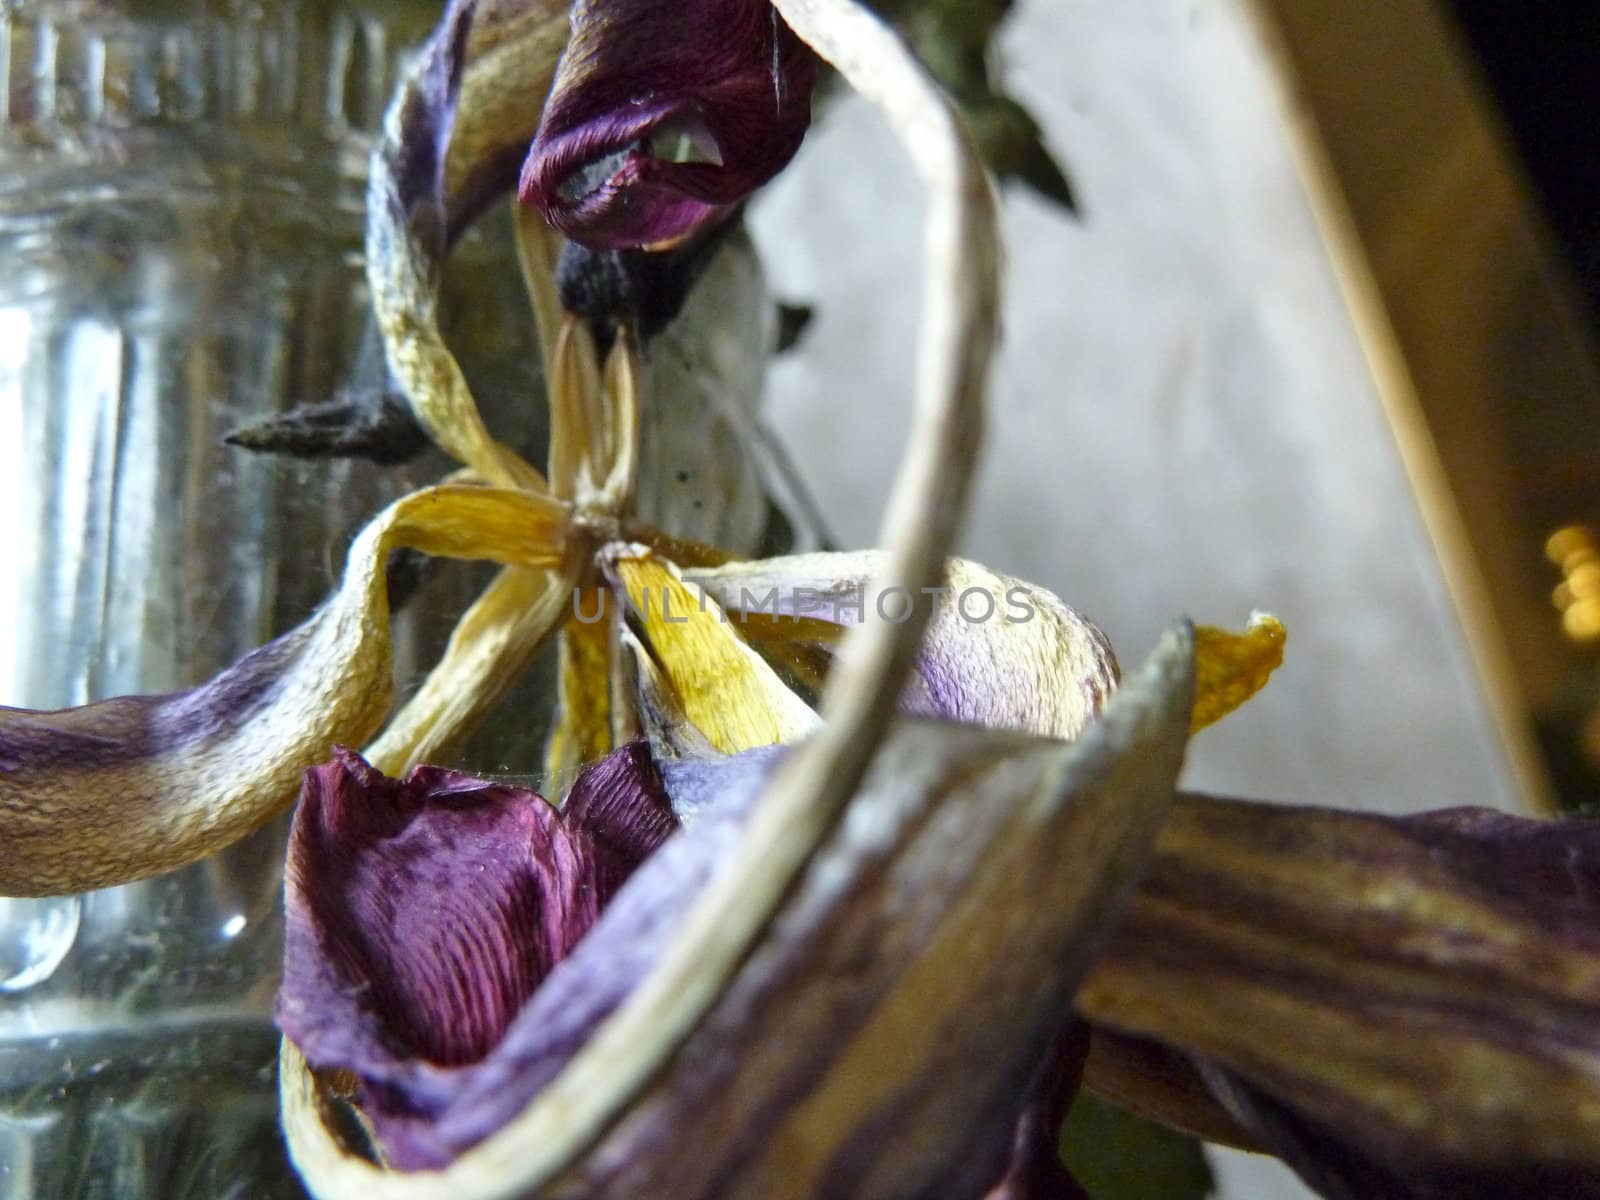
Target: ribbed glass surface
<point>180,192</point>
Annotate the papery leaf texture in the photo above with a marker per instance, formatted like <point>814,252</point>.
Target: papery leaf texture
<point>1399,1006</point>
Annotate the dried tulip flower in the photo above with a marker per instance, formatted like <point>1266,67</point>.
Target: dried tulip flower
<point>625,1107</point>
<point>814,916</point>
<point>739,984</point>
<point>548,530</point>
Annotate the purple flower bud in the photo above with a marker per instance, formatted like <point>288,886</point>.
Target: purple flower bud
<point>664,115</point>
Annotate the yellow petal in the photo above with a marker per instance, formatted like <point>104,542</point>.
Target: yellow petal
<point>574,381</point>
<point>1232,667</point>
<point>620,417</point>
<point>583,726</point>
<point>495,641</point>
<point>727,690</point>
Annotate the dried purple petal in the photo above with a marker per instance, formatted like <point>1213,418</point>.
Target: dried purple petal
<point>509,62</point>
<point>880,1038</point>
<point>586,987</point>
<point>883,1037</point>
<point>424,913</point>
<point>1405,1007</point>
<point>413,214</point>
<point>997,652</point>
<point>408,184</point>
<point>117,790</point>
<point>665,114</point>
<point>462,118</point>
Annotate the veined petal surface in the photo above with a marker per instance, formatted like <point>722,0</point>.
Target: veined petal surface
<point>998,652</point>
<point>1399,1006</point>
<point>663,115</point>
<point>424,913</point>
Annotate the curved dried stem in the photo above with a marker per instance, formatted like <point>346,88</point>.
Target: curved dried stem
<point>538,246</point>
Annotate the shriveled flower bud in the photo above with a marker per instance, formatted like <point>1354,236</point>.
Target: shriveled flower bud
<point>665,114</point>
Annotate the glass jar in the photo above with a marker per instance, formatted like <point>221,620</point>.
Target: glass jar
<point>181,191</point>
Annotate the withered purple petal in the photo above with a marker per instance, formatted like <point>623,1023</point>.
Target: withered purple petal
<point>997,652</point>
<point>439,938</point>
<point>108,792</point>
<point>589,985</point>
<point>409,170</point>
<point>605,802</point>
<point>455,143</point>
<point>665,114</point>
<point>423,914</point>
<point>126,728</point>
<point>1338,1167</point>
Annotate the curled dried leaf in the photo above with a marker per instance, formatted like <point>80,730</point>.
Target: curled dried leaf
<point>1399,1006</point>
<point>137,785</point>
